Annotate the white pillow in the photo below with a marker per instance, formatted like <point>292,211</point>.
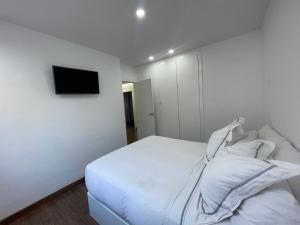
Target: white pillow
<point>224,137</point>
<point>258,149</point>
<point>269,134</point>
<point>228,180</point>
<point>251,135</point>
<point>286,152</point>
<point>275,205</point>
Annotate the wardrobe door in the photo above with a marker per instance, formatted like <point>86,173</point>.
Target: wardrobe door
<point>189,92</point>
<point>166,102</point>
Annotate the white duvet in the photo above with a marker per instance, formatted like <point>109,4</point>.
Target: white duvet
<point>146,183</point>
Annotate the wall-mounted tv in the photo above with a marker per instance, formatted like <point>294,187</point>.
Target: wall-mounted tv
<point>75,81</point>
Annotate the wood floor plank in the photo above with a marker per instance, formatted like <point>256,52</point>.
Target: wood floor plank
<point>69,208</point>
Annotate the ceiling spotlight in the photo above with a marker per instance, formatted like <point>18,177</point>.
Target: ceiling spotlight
<point>140,13</point>
<point>151,58</point>
<point>171,51</point>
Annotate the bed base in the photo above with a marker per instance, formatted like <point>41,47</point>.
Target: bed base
<point>102,214</point>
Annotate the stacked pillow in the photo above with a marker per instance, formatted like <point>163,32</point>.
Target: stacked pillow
<point>283,151</point>
<point>274,205</point>
<point>228,180</point>
<point>239,178</point>
<point>267,133</point>
<point>225,137</point>
<point>286,152</point>
<point>233,139</point>
<point>258,149</point>
<point>250,136</point>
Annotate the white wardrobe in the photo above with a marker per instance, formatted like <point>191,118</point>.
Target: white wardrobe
<point>203,90</point>
<point>177,84</point>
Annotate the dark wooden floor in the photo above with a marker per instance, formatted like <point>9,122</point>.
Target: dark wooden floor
<point>69,208</point>
<point>131,135</point>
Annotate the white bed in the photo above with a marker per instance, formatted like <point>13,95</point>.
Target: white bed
<point>152,182</point>
<point>143,194</point>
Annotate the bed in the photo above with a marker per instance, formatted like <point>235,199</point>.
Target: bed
<point>143,193</point>
<point>130,186</point>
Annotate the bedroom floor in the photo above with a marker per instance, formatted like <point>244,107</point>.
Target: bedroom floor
<point>131,135</point>
<point>69,208</point>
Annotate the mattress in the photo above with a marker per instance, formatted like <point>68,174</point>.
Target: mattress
<point>142,181</point>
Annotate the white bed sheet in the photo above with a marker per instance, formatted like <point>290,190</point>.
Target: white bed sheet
<point>139,182</point>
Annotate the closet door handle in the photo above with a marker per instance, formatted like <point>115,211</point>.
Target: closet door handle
<point>151,114</point>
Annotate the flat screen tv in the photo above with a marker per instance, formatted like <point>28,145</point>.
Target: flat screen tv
<point>75,81</point>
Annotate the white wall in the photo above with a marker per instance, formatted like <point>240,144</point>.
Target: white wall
<point>233,76</point>
<point>128,73</point>
<point>224,83</point>
<point>46,140</point>
<point>282,70</point>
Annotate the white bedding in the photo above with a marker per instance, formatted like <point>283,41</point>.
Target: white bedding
<point>142,182</point>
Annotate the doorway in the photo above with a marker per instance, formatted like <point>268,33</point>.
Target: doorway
<point>129,105</point>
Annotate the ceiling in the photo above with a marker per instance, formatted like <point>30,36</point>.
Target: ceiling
<point>111,26</point>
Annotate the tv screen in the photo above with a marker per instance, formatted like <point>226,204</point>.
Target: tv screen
<point>75,81</point>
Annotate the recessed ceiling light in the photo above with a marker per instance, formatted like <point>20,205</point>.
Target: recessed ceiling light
<point>140,13</point>
<point>151,58</point>
<point>171,51</point>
